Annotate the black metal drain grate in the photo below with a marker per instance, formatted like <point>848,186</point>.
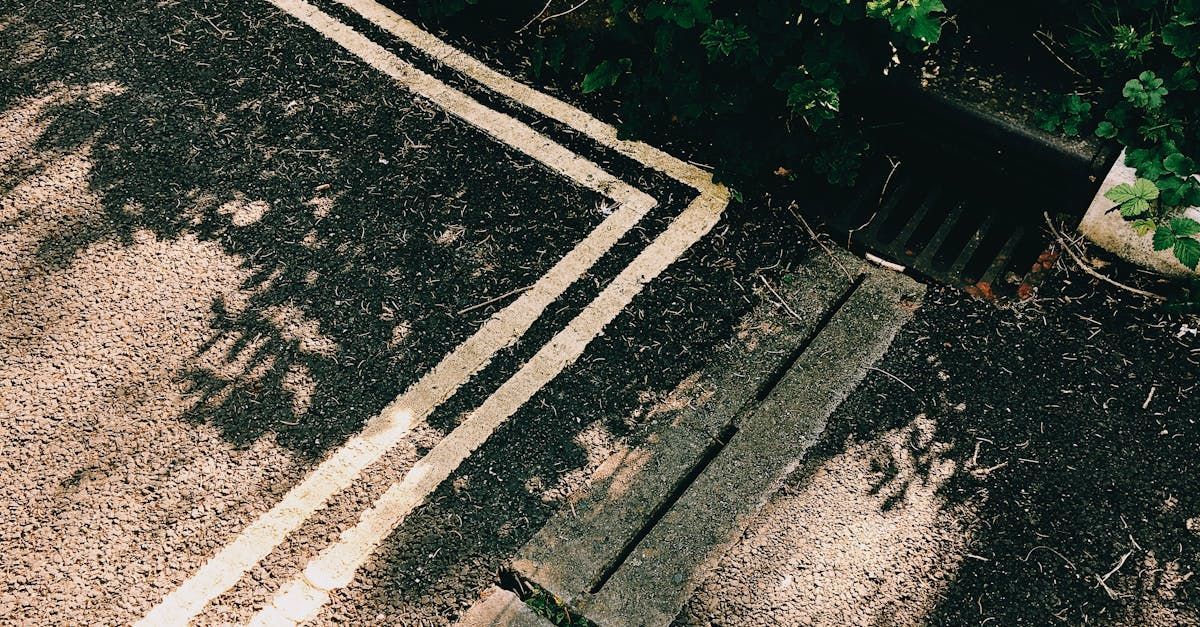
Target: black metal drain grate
<point>948,232</point>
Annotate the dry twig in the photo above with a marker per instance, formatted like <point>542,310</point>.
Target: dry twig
<point>1091,271</point>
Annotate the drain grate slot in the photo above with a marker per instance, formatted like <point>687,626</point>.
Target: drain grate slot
<point>951,228</point>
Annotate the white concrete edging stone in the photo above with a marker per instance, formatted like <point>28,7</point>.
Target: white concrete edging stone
<point>1108,230</point>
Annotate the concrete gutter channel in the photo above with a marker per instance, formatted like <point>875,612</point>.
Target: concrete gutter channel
<point>634,546</point>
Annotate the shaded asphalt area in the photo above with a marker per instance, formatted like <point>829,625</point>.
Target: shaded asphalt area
<point>352,224</point>
<point>357,222</point>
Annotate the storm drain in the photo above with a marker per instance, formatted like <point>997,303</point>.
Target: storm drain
<point>957,234</point>
<point>959,197</point>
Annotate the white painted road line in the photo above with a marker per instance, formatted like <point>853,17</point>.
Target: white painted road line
<point>549,106</point>
<point>385,431</point>
<point>302,598</point>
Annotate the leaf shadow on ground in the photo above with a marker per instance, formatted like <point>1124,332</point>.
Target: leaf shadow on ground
<point>353,284</point>
<point>1040,408</point>
<point>366,219</point>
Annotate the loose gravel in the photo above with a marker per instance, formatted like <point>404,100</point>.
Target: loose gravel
<point>862,539</point>
<point>109,493</point>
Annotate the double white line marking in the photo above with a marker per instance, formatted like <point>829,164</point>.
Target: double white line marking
<point>302,598</point>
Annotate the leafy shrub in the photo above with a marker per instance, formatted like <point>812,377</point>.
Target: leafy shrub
<point>768,82</point>
<point>763,80</point>
<point>1146,52</point>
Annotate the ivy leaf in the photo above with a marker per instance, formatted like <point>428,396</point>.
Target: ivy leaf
<point>1179,164</point>
<point>1187,251</point>
<point>1143,226</point>
<point>605,75</point>
<point>1185,227</point>
<point>1106,130</point>
<point>1164,238</point>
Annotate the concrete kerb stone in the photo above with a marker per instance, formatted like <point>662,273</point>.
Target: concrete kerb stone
<point>657,577</point>
<point>570,554</point>
<point>1109,230</point>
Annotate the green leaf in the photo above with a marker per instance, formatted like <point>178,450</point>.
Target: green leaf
<point>919,19</point>
<point>1106,130</point>
<point>1120,194</point>
<point>1185,227</point>
<point>1143,226</point>
<point>1179,164</point>
<point>1075,104</point>
<point>1134,207</point>
<point>605,75</point>
<point>1187,251</point>
<point>1164,238</point>
<point>1134,200</point>
<point>1145,189</point>
<point>1184,39</point>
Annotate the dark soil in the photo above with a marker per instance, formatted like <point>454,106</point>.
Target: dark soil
<point>1087,397</point>
<point>224,101</point>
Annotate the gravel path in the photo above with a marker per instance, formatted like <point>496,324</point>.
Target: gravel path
<point>109,492</point>
<point>224,245</point>
<point>190,318</point>
<point>999,464</point>
<point>851,544</point>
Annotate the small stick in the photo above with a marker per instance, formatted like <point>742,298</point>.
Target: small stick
<point>1149,398</point>
<point>492,300</point>
<point>1103,581</point>
<point>781,301</point>
<point>1060,555</point>
<point>882,192</point>
<point>1055,54</point>
<point>1088,269</point>
<point>987,471</point>
<point>897,379</point>
<point>534,18</point>
<point>813,235</point>
<point>550,17</point>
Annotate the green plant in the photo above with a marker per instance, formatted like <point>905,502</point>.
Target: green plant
<point>1151,50</point>
<point>552,608</point>
<point>1068,117</point>
<point>764,82</point>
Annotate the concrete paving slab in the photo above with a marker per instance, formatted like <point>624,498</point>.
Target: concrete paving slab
<point>659,567</point>
<point>501,608</point>
<point>570,555</point>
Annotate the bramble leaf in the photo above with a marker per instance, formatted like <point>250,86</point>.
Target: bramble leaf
<point>1145,189</point>
<point>1133,200</point>
<point>1184,39</point>
<point>1185,227</point>
<point>1143,226</point>
<point>1164,238</point>
<point>1187,251</point>
<point>1120,194</point>
<point>605,75</point>
<point>1179,164</point>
